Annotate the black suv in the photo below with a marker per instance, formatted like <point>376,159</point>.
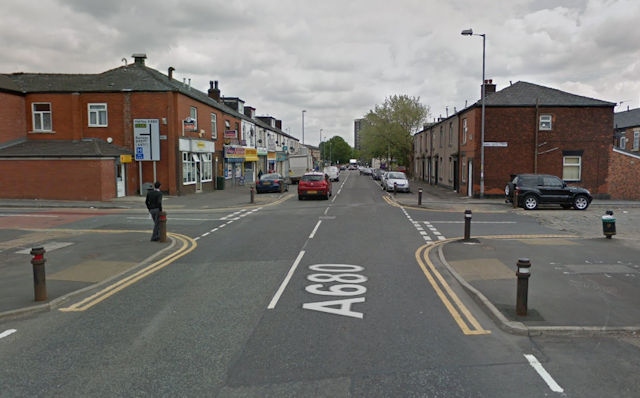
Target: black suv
<point>531,190</point>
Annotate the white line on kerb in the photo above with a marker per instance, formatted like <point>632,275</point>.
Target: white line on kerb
<point>533,361</point>
<point>285,282</point>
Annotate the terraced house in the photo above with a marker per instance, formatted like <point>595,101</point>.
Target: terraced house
<point>106,135</point>
<point>528,129</point>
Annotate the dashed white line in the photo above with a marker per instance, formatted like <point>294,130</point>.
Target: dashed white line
<point>6,333</point>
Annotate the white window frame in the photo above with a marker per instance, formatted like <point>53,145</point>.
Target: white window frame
<point>636,140</point>
<point>214,126</point>
<point>98,116</point>
<point>464,131</point>
<point>546,122</point>
<point>623,143</point>
<point>571,163</point>
<point>193,114</point>
<point>207,166</point>
<point>42,119</point>
<point>188,169</point>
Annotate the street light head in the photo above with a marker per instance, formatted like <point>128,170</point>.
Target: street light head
<point>467,32</point>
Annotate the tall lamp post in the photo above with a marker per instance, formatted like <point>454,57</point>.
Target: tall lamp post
<point>320,146</point>
<point>303,111</point>
<point>469,32</point>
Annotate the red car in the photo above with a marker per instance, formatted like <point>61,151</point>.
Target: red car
<point>314,184</point>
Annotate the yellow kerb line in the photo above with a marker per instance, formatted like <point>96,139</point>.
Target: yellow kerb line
<point>449,296</point>
<point>188,245</point>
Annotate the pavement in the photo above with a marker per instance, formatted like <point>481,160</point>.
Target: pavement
<point>580,283</point>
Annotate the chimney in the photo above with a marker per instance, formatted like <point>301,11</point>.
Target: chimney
<point>139,58</point>
<point>489,87</point>
<point>171,69</point>
<point>214,92</point>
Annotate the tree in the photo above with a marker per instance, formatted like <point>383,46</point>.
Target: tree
<point>335,150</point>
<point>388,129</point>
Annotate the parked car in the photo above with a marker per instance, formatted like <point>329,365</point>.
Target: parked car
<point>332,172</point>
<point>314,184</point>
<point>376,174</point>
<point>366,171</point>
<point>272,182</point>
<point>397,179</point>
<point>532,190</point>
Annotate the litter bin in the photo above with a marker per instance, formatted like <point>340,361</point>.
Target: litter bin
<point>608,224</point>
<point>220,183</point>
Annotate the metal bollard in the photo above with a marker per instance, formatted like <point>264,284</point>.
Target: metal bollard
<point>252,195</point>
<point>523,273</point>
<point>467,224</point>
<point>419,196</point>
<point>162,226</point>
<point>39,277</point>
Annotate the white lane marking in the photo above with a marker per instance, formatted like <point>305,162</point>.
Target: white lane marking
<point>6,333</point>
<point>533,361</point>
<point>49,247</point>
<point>313,233</point>
<point>285,282</point>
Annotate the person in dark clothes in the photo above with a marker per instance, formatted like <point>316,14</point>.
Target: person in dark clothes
<point>154,205</point>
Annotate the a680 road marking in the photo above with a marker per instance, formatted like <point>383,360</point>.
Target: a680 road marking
<point>340,280</point>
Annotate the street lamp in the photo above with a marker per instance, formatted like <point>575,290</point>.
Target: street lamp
<point>320,146</point>
<point>303,111</point>
<point>469,32</point>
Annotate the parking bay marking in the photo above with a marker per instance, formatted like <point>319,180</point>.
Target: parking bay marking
<point>460,313</point>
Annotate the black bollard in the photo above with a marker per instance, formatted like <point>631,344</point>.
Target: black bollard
<point>467,224</point>
<point>420,197</point>
<point>252,195</point>
<point>395,188</point>
<point>39,277</point>
<point>523,273</point>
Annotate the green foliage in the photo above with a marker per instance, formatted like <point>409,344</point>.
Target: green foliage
<point>335,150</point>
<point>388,129</point>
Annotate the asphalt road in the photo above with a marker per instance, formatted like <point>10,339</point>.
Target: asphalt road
<point>315,298</point>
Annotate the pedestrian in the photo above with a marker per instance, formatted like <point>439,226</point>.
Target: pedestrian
<point>259,174</point>
<point>154,205</point>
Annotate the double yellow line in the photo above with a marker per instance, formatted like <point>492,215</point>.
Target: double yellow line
<point>462,316</point>
<point>188,245</point>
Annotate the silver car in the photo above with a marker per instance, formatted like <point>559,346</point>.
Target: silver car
<point>395,180</point>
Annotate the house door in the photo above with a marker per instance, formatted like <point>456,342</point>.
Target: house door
<point>120,179</point>
<point>196,158</point>
<point>470,178</point>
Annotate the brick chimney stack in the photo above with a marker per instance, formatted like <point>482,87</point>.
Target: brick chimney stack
<point>214,91</point>
<point>139,58</point>
<point>489,87</point>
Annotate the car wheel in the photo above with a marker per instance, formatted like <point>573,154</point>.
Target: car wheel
<point>580,202</point>
<point>299,197</point>
<point>530,202</point>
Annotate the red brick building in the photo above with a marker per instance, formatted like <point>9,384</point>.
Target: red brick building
<point>100,136</point>
<point>531,129</point>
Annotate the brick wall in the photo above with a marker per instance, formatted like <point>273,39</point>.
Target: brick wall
<point>624,174</point>
<point>60,179</point>
<point>12,118</point>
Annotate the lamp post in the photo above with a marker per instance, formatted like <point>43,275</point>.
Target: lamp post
<point>303,112</point>
<point>469,32</point>
<point>320,146</point>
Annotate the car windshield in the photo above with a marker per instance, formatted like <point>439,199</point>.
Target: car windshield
<point>397,176</point>
<point>312,177</point>
<point>273,176</point>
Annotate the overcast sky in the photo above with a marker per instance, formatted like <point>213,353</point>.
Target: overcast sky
<point>338,59</point>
